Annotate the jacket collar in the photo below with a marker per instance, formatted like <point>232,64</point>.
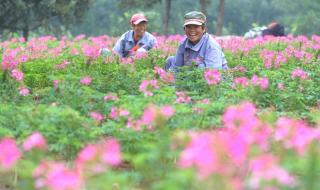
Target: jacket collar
<point>198,45</point>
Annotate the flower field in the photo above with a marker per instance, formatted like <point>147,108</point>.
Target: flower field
<point>71,119</point>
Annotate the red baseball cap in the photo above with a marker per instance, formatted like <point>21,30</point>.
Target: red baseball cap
<point>137,18</point>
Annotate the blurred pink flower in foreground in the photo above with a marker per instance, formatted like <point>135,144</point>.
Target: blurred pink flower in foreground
<point>35,140</point>
<point>294,134</point>
<point>56,176</point>
<point>96,158</point>
<point>265,167</point>
<point>111,153</point>
<point>9,153</point>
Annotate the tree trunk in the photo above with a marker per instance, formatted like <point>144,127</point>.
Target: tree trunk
<point>220,18</point>
<point>166,17</point>
<point>25,32</point>
<point>203,6</point>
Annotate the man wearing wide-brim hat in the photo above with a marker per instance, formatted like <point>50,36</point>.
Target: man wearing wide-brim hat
<point>198,48</point>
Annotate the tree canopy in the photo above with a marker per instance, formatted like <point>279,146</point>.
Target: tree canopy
<point>111,17</point>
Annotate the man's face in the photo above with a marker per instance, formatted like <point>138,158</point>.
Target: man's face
<point>139,29</point>
<point>194,32</point>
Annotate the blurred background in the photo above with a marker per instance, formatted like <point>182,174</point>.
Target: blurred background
<point>30,18</point>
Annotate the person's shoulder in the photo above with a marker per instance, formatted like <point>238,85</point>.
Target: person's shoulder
<point>149,35</point>
<point>126,34</point>
<point>182,45</point>
<point>211,42</point>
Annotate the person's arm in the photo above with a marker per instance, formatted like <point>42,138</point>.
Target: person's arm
<point>150,44</point>
<point>118,49</point>
<point>178,58</point>
<point>214,58</point>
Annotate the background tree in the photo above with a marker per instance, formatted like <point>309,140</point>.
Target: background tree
<point>28,15</point>
<point>220,18</point>
<point>299,17</point>
<point>43,17</point>
<point>166,18</point>
<point>203,6</point>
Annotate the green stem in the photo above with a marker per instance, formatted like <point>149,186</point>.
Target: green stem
<point>15,179</point>
<point>4,76</point>
<point>311,177</point>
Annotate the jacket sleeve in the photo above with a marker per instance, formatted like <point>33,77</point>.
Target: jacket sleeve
<point>150,44</point>
<point>118,49</point>
<point>214,58</point>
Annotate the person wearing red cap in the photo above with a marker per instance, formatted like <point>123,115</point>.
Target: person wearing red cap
<point>135,40</point>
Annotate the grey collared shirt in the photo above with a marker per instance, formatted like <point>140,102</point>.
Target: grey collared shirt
<point>206,53</point>
<point>126,42</point>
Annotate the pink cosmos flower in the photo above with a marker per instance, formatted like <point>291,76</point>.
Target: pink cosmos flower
<point>23,91</point>
<point>294,134</point>
<point>200,153</point>
<point>118,112</point>
<point>74,51</point>
<point>141,55</point>
<point>299,73</point>
<point>61,178</point>
<point>55,83</point>
<point>153,115</point>
<point>18,75</point>
<point>62,65</point>
<point>212,76</point>
<point>166,77</point>
<point>96,158</point>
<point>111,153</point>
<point>35,140</point>
<point>87,154</point>
<point>280,86</point>
<point>149,115</point>
<point>147,86</point>
<point>240,81</point>
<point>182,97</point>
<point>242,115</point>
<point>127,60</point>
<point>167,111</point>
<point>134,124</point>
<point>86,80</point>
<point>110,96</point>
<point>96,116</point>
<point>241,69</point>
<point>263,82</point>
<point>266,168</point>
<point>9,153</point>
